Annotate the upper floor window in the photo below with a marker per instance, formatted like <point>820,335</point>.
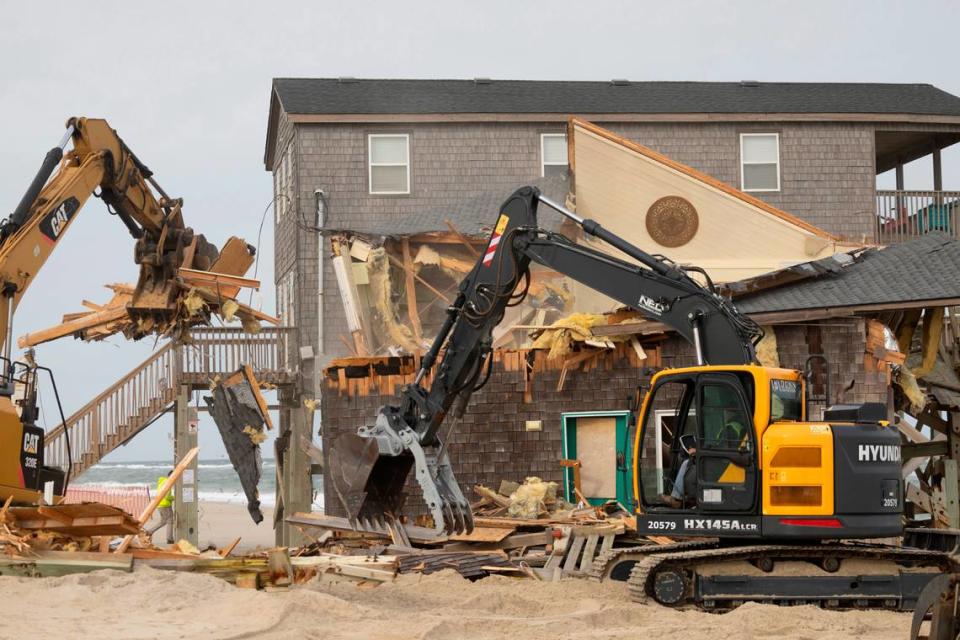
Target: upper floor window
<point>553,154</point>
<point>389,157</point>
<point>760,161</point>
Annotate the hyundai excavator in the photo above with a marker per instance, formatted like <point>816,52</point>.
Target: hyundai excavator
<point>772,506</point>
<point>98,164</point>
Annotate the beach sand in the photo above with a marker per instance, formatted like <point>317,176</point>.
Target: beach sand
<point>222,522</point>
<point>162,604</point>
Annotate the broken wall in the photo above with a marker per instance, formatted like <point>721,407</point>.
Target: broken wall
<point>490,443</point>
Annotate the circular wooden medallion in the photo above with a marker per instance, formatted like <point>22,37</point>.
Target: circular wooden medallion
<point>672,221</point>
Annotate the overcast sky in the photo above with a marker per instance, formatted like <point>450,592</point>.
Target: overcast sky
<point>187,86</point>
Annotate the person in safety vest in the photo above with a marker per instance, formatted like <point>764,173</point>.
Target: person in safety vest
<point>165,508</point>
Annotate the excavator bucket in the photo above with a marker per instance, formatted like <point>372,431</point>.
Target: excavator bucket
<point>369,471</point>
<point>369,486</point>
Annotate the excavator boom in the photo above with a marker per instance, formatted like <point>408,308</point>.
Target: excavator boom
<point>369,468</point>
<point>99,160</point>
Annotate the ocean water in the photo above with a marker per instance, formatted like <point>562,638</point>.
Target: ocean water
<point>217,479</point>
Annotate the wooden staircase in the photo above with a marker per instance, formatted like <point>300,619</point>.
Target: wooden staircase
<point>140,397</point>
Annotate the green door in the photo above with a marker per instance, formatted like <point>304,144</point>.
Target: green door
<point>599,440</point>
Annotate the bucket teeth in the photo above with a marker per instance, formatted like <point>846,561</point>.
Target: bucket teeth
<point>369,470</point>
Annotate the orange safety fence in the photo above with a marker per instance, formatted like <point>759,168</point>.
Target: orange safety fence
<point>132,499</point>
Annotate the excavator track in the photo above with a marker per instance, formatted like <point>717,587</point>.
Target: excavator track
<point>843,576</point>
<point>615,564</point>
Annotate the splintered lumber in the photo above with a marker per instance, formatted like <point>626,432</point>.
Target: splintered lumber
<point>225,284</point>
<point>161,494</point>
<point>71,327</point>
<point>380,568</point>
<point>226,551</point>
<point>469,564</point>
<point>48,564</point>
<point>87,519</point>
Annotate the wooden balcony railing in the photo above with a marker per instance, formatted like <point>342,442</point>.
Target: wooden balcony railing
<point>903,215</point>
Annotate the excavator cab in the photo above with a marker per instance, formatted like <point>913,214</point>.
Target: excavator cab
<point>25,475</point>
<point>726,451</point>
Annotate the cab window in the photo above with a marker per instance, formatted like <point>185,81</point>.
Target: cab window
<point>786,400</point>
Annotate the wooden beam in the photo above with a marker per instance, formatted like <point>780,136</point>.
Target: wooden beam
<point>412,312</point>
<point>161,494</point>
<point>419,279</point>
<point>227,284</point>
<point>71,327</point>
<point>463,239</point>
<point>50,564</point>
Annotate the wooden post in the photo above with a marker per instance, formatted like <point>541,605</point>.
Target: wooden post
<point>295,489</point>
<point>411,287</point>
<point>937,171</point>
<point>185,515</point>
<point>160,495</point>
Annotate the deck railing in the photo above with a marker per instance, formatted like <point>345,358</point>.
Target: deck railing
<point>903,215</point>
<point>141,396</point>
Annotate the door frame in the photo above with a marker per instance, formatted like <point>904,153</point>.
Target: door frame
<point>569,417</point>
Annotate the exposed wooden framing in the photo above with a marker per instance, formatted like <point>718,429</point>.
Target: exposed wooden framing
<point>412,312</point>
<point>418,278</point>
<point>463,239</point>
<point>161,494</point>
<point>49,564</point>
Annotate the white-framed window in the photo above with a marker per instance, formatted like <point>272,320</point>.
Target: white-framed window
<point>286,295</point>
<point>553,154</point>
<point>389,158</point>
<point>760,161</point>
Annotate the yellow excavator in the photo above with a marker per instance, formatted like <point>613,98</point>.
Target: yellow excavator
<point>762,502</point>
<point>98,164</point>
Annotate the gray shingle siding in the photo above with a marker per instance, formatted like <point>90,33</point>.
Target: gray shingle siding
<point>826,178</point>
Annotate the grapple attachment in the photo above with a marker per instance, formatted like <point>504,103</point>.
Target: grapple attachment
<point>370,468</point>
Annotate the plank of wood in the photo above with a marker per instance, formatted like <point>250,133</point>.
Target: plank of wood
<point>226,551</point>
<point>570,563</point>
<point>161,494</point>
<point>411,290</point>
<point>247,580</point>
<point>483,534</point>
<point>227,285</point>
<point>279,566</point>
<point>71,327</point>
<point>588,551</point>
<point>60,563</point>
<point>607,543</point>
<point>235,258</point>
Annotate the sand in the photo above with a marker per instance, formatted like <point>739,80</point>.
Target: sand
<point>156,604</point>
<point>221,523</point>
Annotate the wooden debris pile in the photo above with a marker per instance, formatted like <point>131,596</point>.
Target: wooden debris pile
<point>199,295</point>
<point>520,529</point>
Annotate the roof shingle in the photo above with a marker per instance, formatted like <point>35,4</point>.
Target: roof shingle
<point>927,268</point>
<point>371,96</point>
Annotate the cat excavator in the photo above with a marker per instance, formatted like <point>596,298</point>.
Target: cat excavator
<point>761,502</point>
<point>100,164</point>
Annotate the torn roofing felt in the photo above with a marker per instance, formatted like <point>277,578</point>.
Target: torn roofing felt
<point>927,268</point>
<point>473,216</point>
<point>239,412</point>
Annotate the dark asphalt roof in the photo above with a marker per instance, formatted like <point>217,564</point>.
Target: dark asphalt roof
<point>370,96</point>
<point>471,216</point>
<point>927,268</point>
